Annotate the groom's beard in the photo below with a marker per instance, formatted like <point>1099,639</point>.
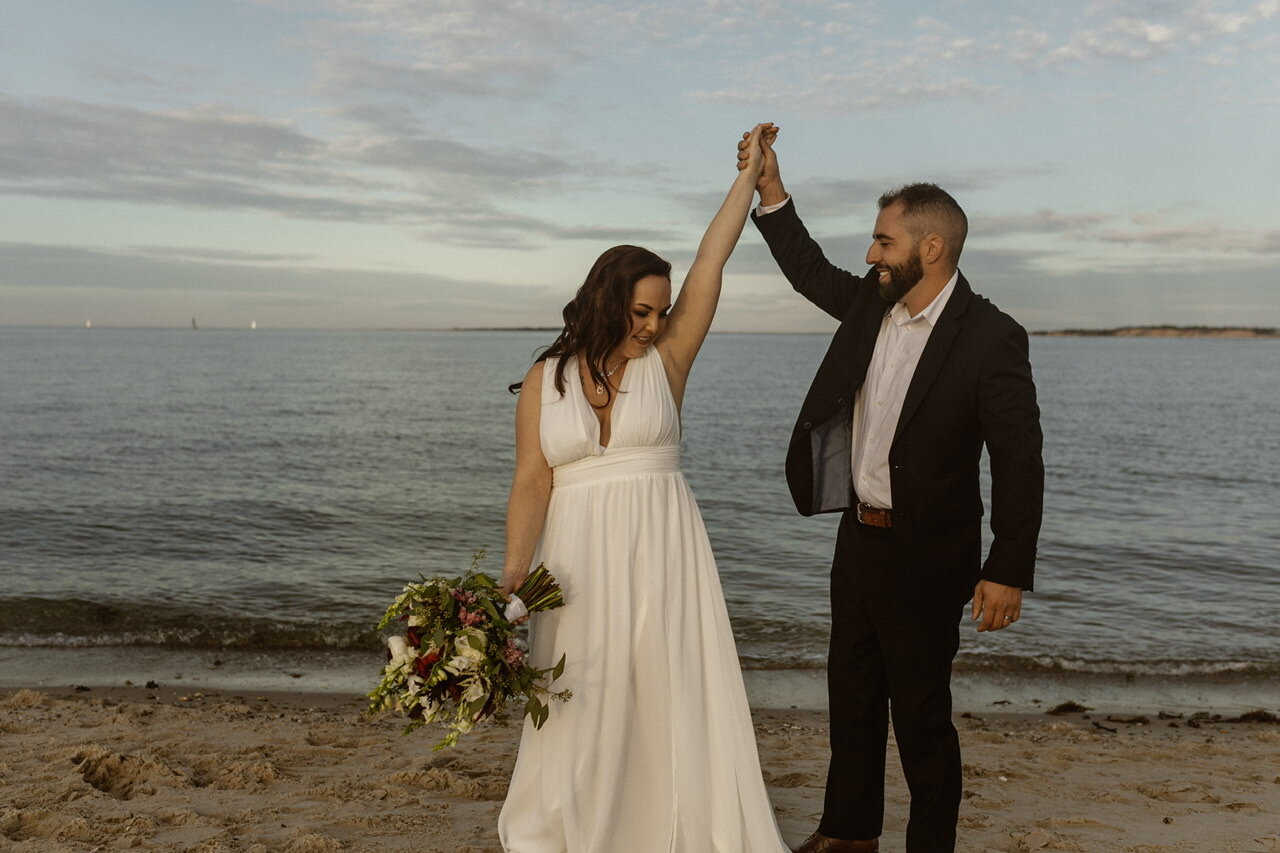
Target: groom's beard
<point>902,278</point>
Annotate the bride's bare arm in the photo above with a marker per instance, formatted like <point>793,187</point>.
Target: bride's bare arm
<point>530,486</point>
<point>695,307</point>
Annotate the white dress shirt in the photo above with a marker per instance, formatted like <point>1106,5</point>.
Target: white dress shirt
<point>878,403</point>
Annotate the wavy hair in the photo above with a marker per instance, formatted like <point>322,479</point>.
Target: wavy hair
<point>598,318</point>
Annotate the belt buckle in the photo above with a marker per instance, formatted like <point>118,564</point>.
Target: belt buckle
<point>858,512</point>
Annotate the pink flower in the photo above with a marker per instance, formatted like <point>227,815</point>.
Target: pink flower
<point>512,654</point>
<point>464,597</point>
<point>470,617</point>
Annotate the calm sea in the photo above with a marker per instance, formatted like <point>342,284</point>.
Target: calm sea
<point>272,490</point>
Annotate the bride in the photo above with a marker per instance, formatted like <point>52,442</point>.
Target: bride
<point>655,752</point>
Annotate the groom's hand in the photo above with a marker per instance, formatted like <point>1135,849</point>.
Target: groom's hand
<point>769,183</point>
<point>997,605</point>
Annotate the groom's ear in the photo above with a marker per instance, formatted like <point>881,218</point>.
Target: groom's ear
<point>933,249</point>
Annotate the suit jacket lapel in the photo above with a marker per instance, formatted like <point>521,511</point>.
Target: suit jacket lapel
<point>864,343</point>
<point>935,352</point>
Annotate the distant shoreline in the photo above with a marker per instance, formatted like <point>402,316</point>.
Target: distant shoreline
<point>1231,332</point>
<point>1234,332</point>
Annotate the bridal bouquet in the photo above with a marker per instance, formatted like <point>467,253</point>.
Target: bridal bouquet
<point>459,660</point>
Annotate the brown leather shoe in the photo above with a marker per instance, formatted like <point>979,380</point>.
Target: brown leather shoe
<point>819,843</point>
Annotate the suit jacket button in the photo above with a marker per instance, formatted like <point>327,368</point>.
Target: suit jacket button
<point>807,425</point>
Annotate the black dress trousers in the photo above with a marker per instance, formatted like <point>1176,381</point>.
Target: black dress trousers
<point>894,634</point>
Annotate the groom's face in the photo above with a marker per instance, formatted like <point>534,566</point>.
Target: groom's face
<point>895,255</point>
<point>901,277</point>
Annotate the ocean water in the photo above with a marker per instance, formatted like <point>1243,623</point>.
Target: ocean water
<point>269,492</point>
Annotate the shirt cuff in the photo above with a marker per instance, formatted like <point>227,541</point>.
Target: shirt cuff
<point>763,210</point>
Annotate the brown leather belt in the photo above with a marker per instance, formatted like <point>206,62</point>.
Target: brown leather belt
<point>874,516</point>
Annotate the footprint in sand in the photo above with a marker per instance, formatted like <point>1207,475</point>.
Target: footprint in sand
<point>447,782</point>
<point>791,780</point>
<point>240,774</point>
<point>1177,792</point>
<point>124,776</point>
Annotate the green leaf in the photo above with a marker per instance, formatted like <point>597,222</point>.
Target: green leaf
<point>488,606</point>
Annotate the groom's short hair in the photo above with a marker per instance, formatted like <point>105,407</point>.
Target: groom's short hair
<point>929,209</point>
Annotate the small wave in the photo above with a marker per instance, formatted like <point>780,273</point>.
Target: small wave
<point>82,623</point>
<point>1106,667</point>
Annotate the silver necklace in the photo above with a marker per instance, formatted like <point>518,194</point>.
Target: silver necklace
<point>608,374</point>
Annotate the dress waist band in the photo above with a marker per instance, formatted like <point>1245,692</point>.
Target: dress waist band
<point>622,462</point>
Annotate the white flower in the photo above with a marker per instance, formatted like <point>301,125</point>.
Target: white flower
<point>459,664</point>
<point>476,688</point>
<point>430,709</point>
<point>475,639</point>
<point>468,651</point>
<point>401,651</point>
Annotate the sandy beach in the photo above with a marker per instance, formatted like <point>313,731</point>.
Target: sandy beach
<point>162,769</point>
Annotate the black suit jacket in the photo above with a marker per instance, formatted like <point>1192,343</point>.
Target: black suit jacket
<point>972,387</point>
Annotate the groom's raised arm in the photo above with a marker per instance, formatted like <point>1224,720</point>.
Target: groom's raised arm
<point>798,255</point>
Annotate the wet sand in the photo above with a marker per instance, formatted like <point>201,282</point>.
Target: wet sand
<point>174,769</point>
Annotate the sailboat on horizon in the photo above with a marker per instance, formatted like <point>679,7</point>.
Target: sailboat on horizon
<point>193,323</point>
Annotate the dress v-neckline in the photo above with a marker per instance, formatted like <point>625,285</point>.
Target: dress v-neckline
<point>613,412</point>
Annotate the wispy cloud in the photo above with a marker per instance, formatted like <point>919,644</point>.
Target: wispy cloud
<point>1041,221</point>
<point>213,255</point>
<point>425,51</point>
<point>846,64</point>
<point>219,158</point>
<point>1206,238</point>
<point>162,285</point>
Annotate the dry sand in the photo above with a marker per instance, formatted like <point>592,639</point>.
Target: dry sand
<point>109,769</point>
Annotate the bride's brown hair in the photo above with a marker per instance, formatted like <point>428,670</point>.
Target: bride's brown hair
<point>598,318</point>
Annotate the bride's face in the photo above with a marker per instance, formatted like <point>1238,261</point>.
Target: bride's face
<point>650,302</point>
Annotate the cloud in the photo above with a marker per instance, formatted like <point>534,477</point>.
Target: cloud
<point>215,255</point>
<point>495,230</point>
<point>422,52</point>
<point>143,76</point>
<point>216,158</point>
<point>1135,32</point>
<point>157,285</point>
<point>1042,221</point>
<point>841,62</point>
<point>1205,237</point>
<point>849,92</point>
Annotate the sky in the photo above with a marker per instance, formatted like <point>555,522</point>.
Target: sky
<point>436,164</point>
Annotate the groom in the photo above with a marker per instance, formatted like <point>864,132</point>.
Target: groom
<point>921,373</point>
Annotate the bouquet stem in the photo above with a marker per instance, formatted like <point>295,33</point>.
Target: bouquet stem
<point>540,592</point>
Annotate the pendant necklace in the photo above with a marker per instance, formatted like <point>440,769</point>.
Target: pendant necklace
<point>609,373</point>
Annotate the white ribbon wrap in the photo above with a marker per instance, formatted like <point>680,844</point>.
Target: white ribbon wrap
<point>515,609</point>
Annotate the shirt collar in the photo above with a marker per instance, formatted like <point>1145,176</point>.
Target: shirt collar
<point>931,311</point>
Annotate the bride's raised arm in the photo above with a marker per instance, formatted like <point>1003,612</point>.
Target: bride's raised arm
<point>694,308</point>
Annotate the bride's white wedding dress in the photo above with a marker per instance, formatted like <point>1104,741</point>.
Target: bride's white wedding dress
<point>655,752</point>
